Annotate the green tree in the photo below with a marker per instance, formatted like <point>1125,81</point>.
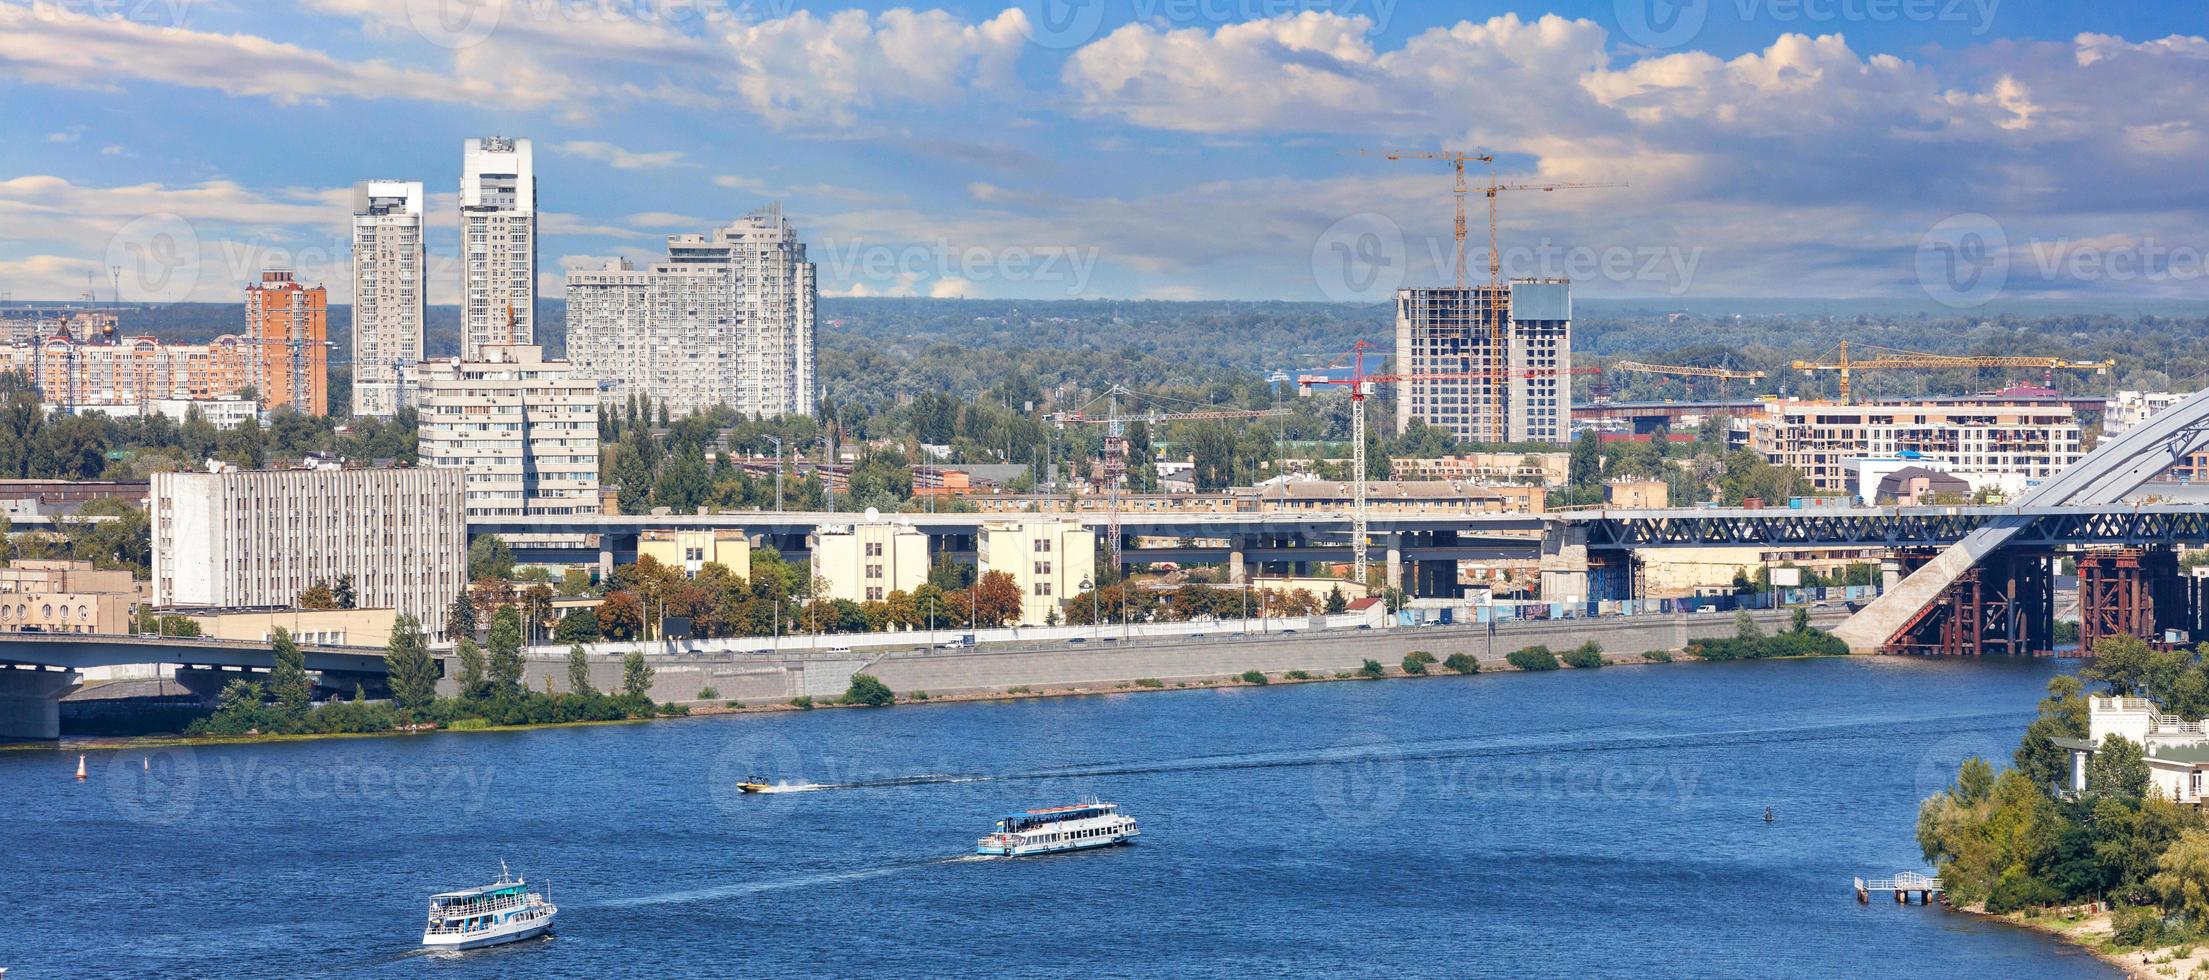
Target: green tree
<point>344,592</point>
<point>473,682</point>
<point>636,675</point>
<point>2062,715</point>
<point>1336,601</point>
<point>2181,881</point>
<point>868,690</point>
<point>1585,467</point>
<point>412,672</point>
<point>580,625</point>
<point>1745,627</point>
<point>2118,767</point>
<point>2124,663</point>
<point>579,671</point>
<point>318,596</point>
<point>460,619</point>
<point>489,557</point>
<point>506,663</point>
<point>1416,661</point>
<point>288,680</point>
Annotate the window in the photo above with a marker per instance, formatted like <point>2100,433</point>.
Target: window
<point>1043,545</point>
<point>874,549</point>
<point>1043,588</point>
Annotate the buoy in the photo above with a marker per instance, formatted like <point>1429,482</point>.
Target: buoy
<point>145,764</point>
<point>80,769</point>
<point>1767,814</point>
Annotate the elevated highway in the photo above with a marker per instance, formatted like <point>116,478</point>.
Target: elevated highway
<point>38,669</point>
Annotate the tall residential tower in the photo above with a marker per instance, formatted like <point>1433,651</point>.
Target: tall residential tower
<point>727,319</point>
<point>288,323</point>
<point>387,294</point>
<point>498,244</point>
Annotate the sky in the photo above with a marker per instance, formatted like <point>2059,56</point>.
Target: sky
<point>1957,152</point>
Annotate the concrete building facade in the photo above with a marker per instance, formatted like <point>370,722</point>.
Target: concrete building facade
<point>388,295</point>
<point>1492,362</point>
<point>2033,441</point>
<point>523,428</point>
<point>63,596</point>
<point>288,325</point>
<point>260,538</point>
<point>1048,559</point>
<point>498,243</point>
<point>727,319</point>
<point>692,549</point>
<point>868,560</point>
<point>130,375</point>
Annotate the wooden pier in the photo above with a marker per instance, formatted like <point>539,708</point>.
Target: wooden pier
<point>1905,885</point>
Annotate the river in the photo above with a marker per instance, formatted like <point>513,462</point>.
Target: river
<point>1576,823</point>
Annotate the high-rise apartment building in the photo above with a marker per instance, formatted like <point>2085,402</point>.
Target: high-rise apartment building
<point>498,243</point>
<point>2029,439</point>
<point>1505,353</point>
<point>387,294</point>
<point>260,538</point>
<point>524,429</point>
<point>728,319</point>
<point>288,324</point>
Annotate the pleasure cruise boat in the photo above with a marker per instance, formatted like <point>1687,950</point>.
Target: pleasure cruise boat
<point>1062,828</point>
<point>503,911</point>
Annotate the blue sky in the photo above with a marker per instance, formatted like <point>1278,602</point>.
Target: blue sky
<point>1958,150</point>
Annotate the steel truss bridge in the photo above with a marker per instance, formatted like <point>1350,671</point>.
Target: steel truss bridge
<point>1896,528</point>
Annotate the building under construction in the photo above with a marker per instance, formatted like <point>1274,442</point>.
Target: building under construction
<point>1487,363</point>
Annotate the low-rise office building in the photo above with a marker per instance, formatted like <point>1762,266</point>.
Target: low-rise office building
<point>2032,440</point>
<point>315,627</point>
<point>691,549</point>
<point>867,560</point>
<point>1048,559</point>
<point>62,596</point>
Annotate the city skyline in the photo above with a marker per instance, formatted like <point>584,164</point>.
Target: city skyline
<point>1155,151</point>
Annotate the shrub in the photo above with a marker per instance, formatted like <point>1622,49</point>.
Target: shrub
<point>1585,656</point>
<point>1463,663</point>
<point>673,710</point>
<point>1372,669</point>
<point>1018,689</point>
<point>1532,658</point>
<point>1416,661</point>
<point>868,690</point>
<point>803,702</point>
<point>1808,643</point>
<point>733,703</point>
<point>1657,656</point>
<point>707,693</point>
<point>1343,675</point>
<point>2018,889</point>
<point>1298,675</point>
<point>1149,682</point>
<point>468,725</point>
<point>1254,677</point>
<point>2129,925</point>
<point>920,695</point>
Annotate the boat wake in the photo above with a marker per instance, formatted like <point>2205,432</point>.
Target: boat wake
<point>783,884</point>
<point>792,788</point>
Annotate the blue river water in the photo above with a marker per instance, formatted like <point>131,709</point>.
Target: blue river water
<point>1580,823</point>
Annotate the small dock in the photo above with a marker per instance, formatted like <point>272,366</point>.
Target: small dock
<point>1906,886</point>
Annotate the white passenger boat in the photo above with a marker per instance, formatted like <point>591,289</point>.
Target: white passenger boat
<point>1061,828</point>
<point>503,911</point>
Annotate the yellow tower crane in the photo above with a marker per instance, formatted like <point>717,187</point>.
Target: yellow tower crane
<point>1888,359</point>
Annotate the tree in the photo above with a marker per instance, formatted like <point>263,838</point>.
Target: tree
<point>1745,627</point>
<point>2124,663</point>
<point>472,668</point>
<point>1585,466</point>
<point>346,597</point>
<point>2062,715</point>
<point>2118,768</point>
<point>579,671</point>
<point>996,600</point>
<point>636,675</point>
<point>1416,661</point>
<point>866,689</point>
<point>288,680</point>
<point>537,609</point>
<point>1336,601</point>
<point>489,557</point>
<point>412,673</point>
<point>506,650</point>
<point>620,616</point>
<point>580,625</point>
<point>2181,882</point>
<point>318,596</point>
<point>460,620</point>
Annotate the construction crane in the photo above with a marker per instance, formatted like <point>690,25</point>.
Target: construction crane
<point>1493,309</point>
<point>1888,358</point>
<point>1115,443</point>
<point>1362,384</point>
<point>1687,371</point>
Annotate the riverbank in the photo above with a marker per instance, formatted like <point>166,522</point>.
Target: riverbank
<point>2089,930</point>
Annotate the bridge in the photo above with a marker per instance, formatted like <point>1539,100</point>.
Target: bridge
<point>38,669</point>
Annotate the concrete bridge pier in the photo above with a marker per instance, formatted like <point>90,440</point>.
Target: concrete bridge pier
<point>1395,540</point>
<point>30,702</point>
<point>1237,573</point>
<point>1564,563</point>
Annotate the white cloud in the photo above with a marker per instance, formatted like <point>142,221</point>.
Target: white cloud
<point>806,71</point>
<point>618,158</point>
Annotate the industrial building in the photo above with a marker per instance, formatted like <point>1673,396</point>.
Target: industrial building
<point>524,428</point>
<point>727,319</point>
<point>1487,363</point>
<point>498,243</point>
<point>261,537</point>
<point>387,294</point>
